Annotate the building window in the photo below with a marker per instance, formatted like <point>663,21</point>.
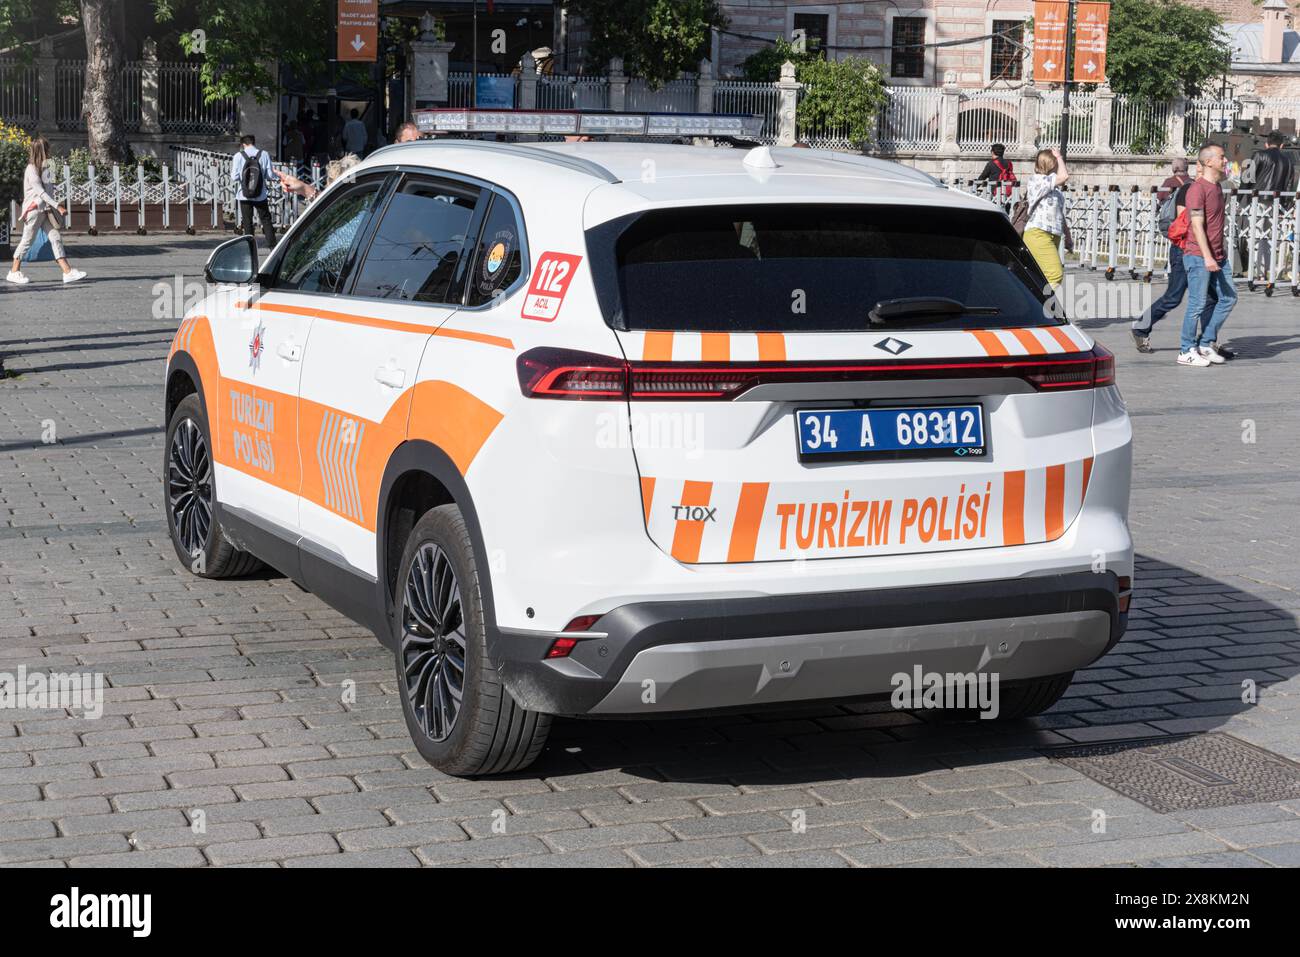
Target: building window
<point>1008,61</point>
<point>816,30</point>
<point>908,55</point>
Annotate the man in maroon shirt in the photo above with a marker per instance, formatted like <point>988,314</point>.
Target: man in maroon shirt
<point>1178,178</point>
<point>1205,260</point>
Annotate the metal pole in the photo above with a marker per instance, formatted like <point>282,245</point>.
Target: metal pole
<point>1069,69</point>
<point>473,70</point>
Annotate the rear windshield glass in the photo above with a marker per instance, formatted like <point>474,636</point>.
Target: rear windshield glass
<point>822,268</point>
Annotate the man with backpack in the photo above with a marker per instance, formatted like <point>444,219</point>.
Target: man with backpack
<point>999,170</point>
<point>250,169</point>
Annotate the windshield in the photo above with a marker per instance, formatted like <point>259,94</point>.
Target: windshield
<point>769,268</point>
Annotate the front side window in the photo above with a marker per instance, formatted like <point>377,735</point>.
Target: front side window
<point>814,268</point>
<point>318,253</point>
<point>419,243</point>
<point>907,58</point>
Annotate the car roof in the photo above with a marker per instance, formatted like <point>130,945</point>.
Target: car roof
<point>644,175</point>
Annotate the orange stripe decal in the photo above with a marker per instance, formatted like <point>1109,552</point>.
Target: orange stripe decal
<point>1064,341</point>
<point>690,533</point>
<point>771,347</point>
<point>1087,474</point>
<point>1054,508</point>
<point>658,347</point>
<point>715,347</point>
<point>1013,508</point>
<point>1030,341</point>
<point>475,337</point>
<point>647,496</point>
<point>992,344</point>
<point>749,519</point>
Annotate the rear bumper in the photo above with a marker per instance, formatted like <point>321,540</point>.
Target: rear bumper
<point>738,652</point>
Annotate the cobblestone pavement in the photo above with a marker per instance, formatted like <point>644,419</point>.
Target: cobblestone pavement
<point>224,697</point>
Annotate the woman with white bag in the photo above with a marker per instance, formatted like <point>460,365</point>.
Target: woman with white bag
<point>37,214</point>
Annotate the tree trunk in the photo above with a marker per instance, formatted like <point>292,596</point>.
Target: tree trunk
<point>102,100</point>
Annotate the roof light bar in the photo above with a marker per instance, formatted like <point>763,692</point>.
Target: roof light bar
<point>577,122</point>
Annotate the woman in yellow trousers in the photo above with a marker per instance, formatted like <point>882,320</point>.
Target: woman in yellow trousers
<point>1046,223</point>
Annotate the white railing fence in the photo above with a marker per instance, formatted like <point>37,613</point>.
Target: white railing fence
<point>752,99</point>
<point>910,120</point>
<point>985,117</point>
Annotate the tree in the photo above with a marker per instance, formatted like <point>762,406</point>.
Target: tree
<point>656,39</point>
<point>242,41</point>
<point>102,99</point>
<point>842,95</point>
<point>1161,49</point>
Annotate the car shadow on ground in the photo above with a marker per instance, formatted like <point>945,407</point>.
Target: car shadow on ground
<point>1193,644</point>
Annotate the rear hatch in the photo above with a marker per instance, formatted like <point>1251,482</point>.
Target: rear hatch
<point>822,381</point>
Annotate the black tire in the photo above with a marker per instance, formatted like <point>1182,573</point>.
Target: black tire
<point>440,619</point>
<point>190,505</point>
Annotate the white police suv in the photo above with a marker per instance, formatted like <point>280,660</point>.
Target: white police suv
<point>636,429</point>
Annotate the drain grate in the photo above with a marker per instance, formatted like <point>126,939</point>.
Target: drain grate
<point>1187,772</point>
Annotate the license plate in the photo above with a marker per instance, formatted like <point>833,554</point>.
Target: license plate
<point>939,431</point>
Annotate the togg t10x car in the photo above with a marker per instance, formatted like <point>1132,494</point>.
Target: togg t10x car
<point>631,429</point>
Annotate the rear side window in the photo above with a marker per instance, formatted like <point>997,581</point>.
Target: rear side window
<point>418,243</point>
<point>814,269</point>
<point>498,259</point>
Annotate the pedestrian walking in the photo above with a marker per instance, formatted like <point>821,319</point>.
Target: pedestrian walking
<point>1045,222</point>
<point>1177,282</point>
<point>1272,171</point>
<point>1177,179</point>
<point>999,169</point>
<point>40,211</point>
<point>1205,260</point>
<point>354,135</point>
<point>250,169</point>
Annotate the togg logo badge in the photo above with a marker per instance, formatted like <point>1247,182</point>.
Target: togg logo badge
<point>255,346</point>
<point>893,346</point>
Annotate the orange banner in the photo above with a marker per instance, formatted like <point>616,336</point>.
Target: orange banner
<point>358,31</point>
<point>1051,19</point>
<point>1091,27</point>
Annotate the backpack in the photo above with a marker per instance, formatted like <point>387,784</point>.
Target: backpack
<point>1021,212</point>
<point>1005,175</point>
<point>1168,213</point>
<point>251,181</point>
<point>1179,229</point>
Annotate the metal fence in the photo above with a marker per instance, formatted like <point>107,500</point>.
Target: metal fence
<point>675,96</point>
<point>572,92</point>
<point>985,117</point>
<point>1083,110</point>
<point>910,120</point>
<point>1118,233</point>
<point>183,108</point>
<point>752,99</point>
<point>1205,116</point>
<point>18,92</point>
<point>1139,127</point>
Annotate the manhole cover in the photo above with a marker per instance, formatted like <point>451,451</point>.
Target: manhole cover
<point>1188,772</point>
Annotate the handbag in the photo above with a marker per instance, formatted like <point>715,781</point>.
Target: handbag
<point>40,251</point>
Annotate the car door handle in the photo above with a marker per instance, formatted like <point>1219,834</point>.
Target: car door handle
<point>290,351</point>
<point>393,378</point>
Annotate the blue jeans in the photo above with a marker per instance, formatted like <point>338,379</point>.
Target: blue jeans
<point>1173,294</point>
<point>1199,283</point>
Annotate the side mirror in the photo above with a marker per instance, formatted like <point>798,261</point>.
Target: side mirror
<point>234,261</point>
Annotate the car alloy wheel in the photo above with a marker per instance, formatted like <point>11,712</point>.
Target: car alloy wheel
<point>189,486</point>
<point>433,642</point>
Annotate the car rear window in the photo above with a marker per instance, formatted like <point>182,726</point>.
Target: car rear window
<point>815,268</point>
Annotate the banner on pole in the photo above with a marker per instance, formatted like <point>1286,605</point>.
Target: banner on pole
<point>1051,18</point>
<point>358,31</point>
<point>1091,28</point>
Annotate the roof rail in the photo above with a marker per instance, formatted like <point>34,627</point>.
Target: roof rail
<point>573,163</point>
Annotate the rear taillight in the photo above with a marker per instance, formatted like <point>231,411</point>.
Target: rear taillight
<point>547,373</point>
<point>1125,589</point>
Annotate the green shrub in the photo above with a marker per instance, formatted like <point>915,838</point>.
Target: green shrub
<point>13,160</point>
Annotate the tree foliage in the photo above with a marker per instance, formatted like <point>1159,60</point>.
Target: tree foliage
<point>656,39</point>
<point>842,95</point>
<point>1162,48</point>
<point>241,41</point>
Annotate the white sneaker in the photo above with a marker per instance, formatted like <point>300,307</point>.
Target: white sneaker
<point>17,278</point>
<point>1211,353</point>
<point>1193,358</point>
<point>73,275</point>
